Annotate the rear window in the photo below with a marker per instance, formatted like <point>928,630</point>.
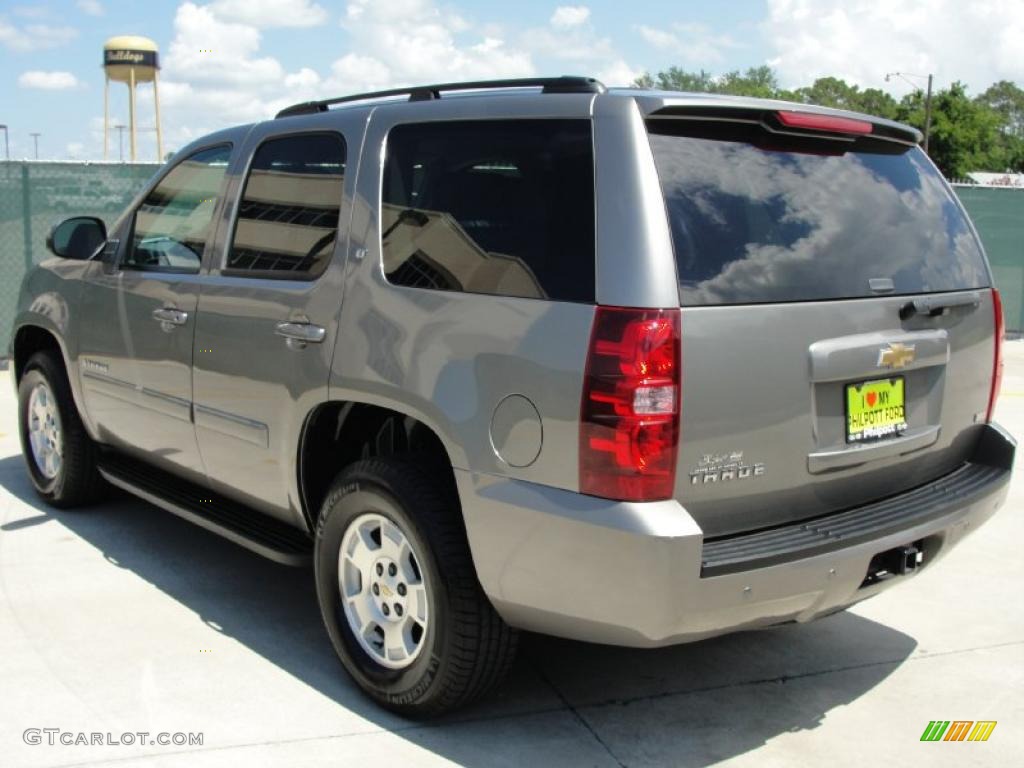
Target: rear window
<point>759,217</point>
<point>503,207</point>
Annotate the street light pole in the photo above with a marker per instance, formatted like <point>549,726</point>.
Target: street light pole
<point>928,114</point>
<point>7,147</point>
<point>120,142</point>
<point>927,100</point>
<point>35,138</point>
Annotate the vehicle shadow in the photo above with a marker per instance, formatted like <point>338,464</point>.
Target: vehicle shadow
<point>272,610</point>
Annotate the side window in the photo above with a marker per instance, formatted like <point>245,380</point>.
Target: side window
<point>288,215</point>
<point>174,221</point>
<point>503,207</point>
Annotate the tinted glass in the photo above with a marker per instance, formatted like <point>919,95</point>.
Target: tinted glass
<point>172,225</point>
<point>758,217</point>
<point>288,215</point>
<point>499,207</point>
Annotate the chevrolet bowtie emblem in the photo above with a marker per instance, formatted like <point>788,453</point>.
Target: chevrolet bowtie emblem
<point>896,355</point>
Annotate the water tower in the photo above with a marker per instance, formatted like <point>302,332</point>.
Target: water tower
<point>132,60</point>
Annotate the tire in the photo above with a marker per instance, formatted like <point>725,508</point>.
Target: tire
<point>72,479</point>
<point>465,647</point>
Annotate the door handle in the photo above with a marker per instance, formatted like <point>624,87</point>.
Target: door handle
<point>170,316</point>
<point>302,333</point>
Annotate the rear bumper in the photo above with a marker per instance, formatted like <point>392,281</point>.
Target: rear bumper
<point>561,563</point>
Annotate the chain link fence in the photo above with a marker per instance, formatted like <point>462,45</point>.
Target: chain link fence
<point>35,195</point>
<point>998,215</point>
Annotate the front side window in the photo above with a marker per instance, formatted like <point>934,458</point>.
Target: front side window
<point>502,207</point>
<point>174,222</point>
<point>288,216</point>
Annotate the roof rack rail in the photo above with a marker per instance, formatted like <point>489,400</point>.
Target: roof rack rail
<point>564,84</point>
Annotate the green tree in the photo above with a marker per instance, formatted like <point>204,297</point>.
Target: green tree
<point>873,101</point>
<point>676,79</point>
<point>828,92</point>
<point>837,93</point>
<point>756,81</point>
<point>981,134</point>
<point>965,135</point>
<point>1007,99</point>
<point>645,81</point>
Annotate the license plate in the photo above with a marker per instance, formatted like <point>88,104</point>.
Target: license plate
<point>875,409</point>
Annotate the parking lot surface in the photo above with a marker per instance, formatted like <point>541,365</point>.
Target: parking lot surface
<point>123,618</point>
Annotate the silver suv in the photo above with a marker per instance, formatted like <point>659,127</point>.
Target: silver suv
<point>624,366</point>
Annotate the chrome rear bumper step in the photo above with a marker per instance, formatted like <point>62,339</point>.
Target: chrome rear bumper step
<point>971,481</point>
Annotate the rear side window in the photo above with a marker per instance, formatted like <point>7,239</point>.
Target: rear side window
<point>495,207</point>
<point>759,217</point>
<point>288,216</point>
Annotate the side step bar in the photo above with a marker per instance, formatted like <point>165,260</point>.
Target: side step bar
<point>253,530</point>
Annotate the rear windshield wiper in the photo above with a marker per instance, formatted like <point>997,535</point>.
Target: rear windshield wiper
<point>933,306</point>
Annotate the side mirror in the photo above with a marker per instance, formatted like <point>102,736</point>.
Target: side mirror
<point>77,238</point>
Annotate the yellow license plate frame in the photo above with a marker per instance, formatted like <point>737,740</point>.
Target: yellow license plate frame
<point>875,409</point>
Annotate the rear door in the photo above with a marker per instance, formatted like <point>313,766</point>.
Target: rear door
<point>816,374</point>
<point>267,319</point>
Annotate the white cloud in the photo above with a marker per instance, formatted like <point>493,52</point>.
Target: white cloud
<point>208,50</point>
<point>410,41</point>
<point>270,13</point>
<point>570,37</point>
<point>618,73</point>
<point>216,71</point>
<point>689,43</point>
<point>47,81</point>
<point>90,7</point>
<point>304,78</point>
<point>215,74</point>
<point>75,149</point>
<point>977,42</point>
<point>32,12</point>
<point>570,15</point>
<point>34,37</point>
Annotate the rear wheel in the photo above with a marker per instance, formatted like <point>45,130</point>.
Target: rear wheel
<point>60,456</point>
<point>399,593</point>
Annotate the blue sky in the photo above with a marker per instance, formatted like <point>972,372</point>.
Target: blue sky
<point>268,53</point>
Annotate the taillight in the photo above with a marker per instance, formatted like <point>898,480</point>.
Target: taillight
<point>828,123</point>
<point>629,419</point>
<point>997,362</point>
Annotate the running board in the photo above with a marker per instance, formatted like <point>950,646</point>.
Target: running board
<point>236,522</point>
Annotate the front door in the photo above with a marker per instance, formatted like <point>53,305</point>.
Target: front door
<point>139,318</point>
<point>268,311</point>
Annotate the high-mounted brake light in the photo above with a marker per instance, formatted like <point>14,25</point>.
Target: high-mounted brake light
<point>831,124</point>
<point>997,358</point>
<point>629,418</point>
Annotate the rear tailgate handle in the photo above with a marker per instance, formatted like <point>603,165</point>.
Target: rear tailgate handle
<point>933,306</point>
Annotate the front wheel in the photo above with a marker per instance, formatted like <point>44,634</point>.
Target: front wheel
<point>398,591</point>
<point>60,456</point>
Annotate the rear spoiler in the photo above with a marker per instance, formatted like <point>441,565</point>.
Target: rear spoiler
<point>796,120</point>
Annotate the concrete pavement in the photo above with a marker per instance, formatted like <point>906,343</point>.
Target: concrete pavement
<point>123,618</point>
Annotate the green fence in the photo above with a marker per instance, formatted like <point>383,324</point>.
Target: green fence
<point>998,214</point>
<point>34,195</point>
